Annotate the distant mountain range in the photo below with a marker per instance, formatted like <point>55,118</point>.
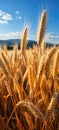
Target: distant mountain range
<point>11,42</point>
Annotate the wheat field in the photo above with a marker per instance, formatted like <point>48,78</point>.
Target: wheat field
<point>29,84</point>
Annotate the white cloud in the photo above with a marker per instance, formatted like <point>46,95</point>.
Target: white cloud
<point>5,17</point>
<point>49,37</point>
<point>3,21</point>
<point>19,17</point>
<point>17,12</point>
<point>11,35</point>
<point>52,37</point>
<point>14,35</point>
<point>1,13</point>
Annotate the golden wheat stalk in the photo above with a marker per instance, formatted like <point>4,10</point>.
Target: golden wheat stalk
<point>2,78</point>
<point>43,47</point>
<point>24,44</point>
<point>9,90</point>
<point>43,82</point>
<point>5,62</point>
<point>15,54</point>
<point>52,105</point>
<point>41,29</point>
<point>24,40</point>
<point>5,50</point>
<point>31,79</point>
<point>55,67</point>
<point>2,65</point>
<point>48,62</point>
<point>31,108</point>
<point>40,67</point>
<point>25,76</point>
<point>30,121</point>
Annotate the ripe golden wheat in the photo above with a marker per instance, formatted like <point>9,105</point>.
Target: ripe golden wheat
<point>29,85</point>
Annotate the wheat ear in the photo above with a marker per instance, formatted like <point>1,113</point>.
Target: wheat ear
<point>40,67</point>
<point>43,47</point>
<point>5,61</point>
<point>31,109</point>
<point>52,105</point>
<point>48,61</point>
<point>31,79</point>
<point>41,29</point>
<point>15,54</point>
<point>2,65</point>
<point>23,45</point>
<point>5,49</point>
<point>24,40</point>
<point>55,68</point>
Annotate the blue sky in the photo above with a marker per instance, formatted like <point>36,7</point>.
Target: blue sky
<point>16,14</point>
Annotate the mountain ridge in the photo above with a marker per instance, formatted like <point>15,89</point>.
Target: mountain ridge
<point>11,42</point>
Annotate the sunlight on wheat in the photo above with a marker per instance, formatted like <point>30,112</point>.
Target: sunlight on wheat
<point>29,84</point>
